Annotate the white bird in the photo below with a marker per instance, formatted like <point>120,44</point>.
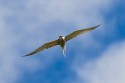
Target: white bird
<point>62,41</point>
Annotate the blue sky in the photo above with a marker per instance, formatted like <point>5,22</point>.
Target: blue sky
<point>95,57</point>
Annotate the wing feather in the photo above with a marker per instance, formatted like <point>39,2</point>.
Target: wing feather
<point>79,32</point>
<point>43,47</point>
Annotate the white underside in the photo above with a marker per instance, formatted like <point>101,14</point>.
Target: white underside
<point>64,51</point>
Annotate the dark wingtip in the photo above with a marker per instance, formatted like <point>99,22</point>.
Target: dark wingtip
<point>98,25</point>
<point>29,54</point>
<point>25,55</point>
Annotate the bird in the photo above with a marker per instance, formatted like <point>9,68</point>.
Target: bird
<point>62,41</point>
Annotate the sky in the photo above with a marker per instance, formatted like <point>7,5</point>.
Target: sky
<point>94,57</point>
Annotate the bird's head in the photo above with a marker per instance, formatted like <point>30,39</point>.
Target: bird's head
<point>61,37</point>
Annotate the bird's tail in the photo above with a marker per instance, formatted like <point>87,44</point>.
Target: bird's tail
<point>64,51</point>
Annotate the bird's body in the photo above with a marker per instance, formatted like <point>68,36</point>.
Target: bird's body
<point>62,41</point>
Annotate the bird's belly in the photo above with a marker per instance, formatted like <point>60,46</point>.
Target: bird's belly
<point>61,42</point>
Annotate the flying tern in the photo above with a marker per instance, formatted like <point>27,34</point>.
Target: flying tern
<point>62,41</point>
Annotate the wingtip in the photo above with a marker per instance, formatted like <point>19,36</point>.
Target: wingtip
<point>98,25</point>
<point>25,56</point>
<point>29,54</point>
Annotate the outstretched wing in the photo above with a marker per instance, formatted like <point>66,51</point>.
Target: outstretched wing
<point>79,32</point>
<point>43,47</point>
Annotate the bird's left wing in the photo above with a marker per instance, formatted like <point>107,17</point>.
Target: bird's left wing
<point>43,47</point>
<point>78,32</point>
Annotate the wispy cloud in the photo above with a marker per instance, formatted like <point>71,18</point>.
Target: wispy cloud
<point>109,68</point>
<point>23,22</point>
<point>71,11</point>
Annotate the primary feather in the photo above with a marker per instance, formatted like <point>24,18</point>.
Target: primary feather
<point>79,32</point>
<point>43,47</point>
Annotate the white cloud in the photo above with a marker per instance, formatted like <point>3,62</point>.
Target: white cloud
<point>19,27</point>
<point>80,12</point>
<point>10,59</point>
<point>109,68</point>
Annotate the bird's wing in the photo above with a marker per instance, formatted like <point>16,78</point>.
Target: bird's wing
<point>43,47</point>
<point>79,32</point>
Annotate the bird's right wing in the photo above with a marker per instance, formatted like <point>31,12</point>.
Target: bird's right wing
<point>43,47</point>
<point>79,32</point>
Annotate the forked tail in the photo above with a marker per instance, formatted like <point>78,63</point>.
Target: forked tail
<point>64,51</point>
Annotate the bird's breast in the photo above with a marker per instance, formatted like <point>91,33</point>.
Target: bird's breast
<point>62,42</point>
